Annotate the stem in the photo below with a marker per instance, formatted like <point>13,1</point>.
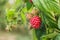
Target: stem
<point>34,35</point>
<point>46,29</point>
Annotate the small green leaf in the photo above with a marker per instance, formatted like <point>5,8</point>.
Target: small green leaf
<point>29,5</point>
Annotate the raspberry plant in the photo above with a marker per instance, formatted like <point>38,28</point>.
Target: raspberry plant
<point>46,28</point>
<point>49,11</point>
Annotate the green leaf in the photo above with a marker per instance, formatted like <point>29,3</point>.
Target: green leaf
<point>57,37</point>
<point>52,35</point>
<point>59,23</point>
<point>23,17</point>
<point>29,5</point>
<point>55,7</point>
<point>10,13</point>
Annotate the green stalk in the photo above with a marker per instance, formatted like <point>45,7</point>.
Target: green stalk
<point>34,35</point>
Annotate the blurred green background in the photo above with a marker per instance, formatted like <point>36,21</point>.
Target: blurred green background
<point>13,25</point>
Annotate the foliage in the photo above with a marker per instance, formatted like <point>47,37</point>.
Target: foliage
<point>49,11</point>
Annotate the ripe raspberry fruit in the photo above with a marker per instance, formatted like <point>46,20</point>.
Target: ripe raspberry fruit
<point>35,22</point>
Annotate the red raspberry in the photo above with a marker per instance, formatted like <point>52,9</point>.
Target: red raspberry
<point>31,1</point>
<point>35,22</point>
